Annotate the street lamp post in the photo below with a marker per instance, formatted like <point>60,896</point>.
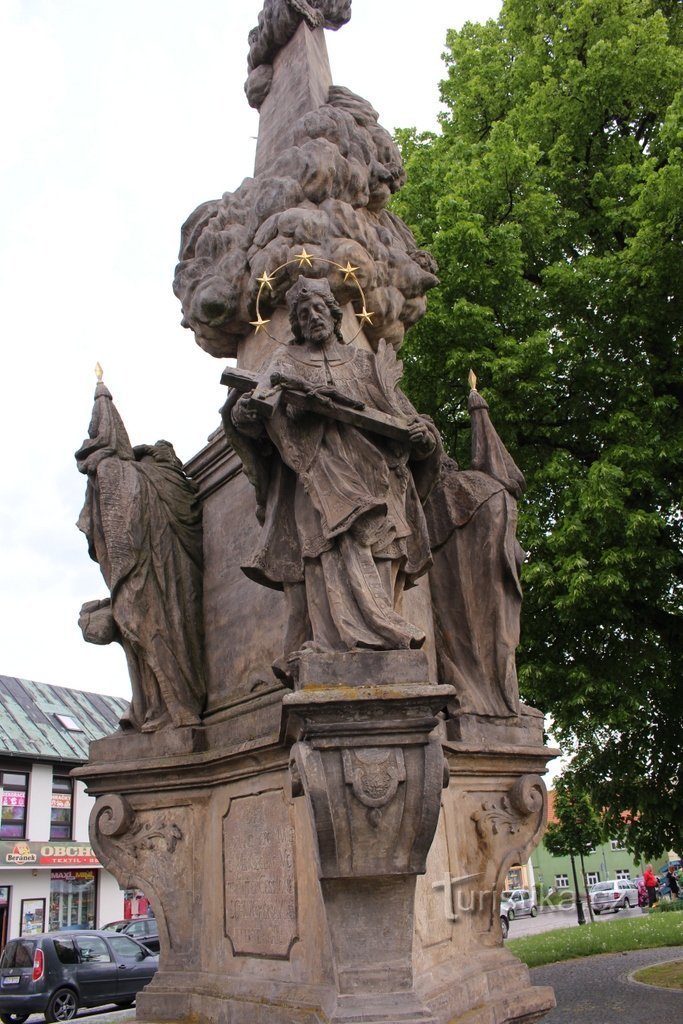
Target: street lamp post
<point>579,905</point>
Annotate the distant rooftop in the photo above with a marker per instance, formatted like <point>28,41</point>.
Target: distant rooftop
<point>53,723</point>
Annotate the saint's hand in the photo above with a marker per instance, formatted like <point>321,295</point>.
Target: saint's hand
<point>244,416</point>
<point>421,437</point>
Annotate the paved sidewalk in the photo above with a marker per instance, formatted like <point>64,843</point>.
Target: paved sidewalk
<point>596,989</point>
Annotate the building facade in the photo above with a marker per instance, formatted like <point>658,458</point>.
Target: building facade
<point>49,875</point>
<point>609,860</point>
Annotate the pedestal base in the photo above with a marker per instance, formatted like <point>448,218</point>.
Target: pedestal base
<point>336,881</point>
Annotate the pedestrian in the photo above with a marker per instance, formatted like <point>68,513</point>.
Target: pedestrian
<point>672,882</point>
<point>650,880</point>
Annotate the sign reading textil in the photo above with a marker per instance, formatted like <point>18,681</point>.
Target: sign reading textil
<point>27,854</point>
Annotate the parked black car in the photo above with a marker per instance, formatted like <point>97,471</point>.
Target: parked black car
<point>57,972</point>
<point>144,929</point>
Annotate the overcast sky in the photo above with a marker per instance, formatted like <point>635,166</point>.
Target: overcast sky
<point>119,118</point>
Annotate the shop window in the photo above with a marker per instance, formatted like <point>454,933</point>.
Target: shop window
<point>14,788</point>
<point>61,809</point>
<point>72,899</point>
<point>561,882</point>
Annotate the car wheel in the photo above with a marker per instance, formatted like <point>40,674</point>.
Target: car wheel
<point>14,1018</point>
<point>511,915</point>
<point>62,1006</point>
<point>504,927</point>
<point>533,911</point>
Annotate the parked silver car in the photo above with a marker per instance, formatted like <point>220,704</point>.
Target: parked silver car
<point>517,902</point>
<point>613,895</point>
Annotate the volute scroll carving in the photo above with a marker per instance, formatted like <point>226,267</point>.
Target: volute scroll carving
<point>509,812</point>
<point>112,815</point>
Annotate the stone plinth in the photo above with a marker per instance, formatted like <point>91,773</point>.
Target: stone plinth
<point>327,875</point>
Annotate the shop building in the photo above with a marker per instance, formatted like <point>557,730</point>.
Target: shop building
<point>49,874</point>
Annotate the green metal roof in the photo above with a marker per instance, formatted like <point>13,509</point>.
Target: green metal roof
<point>30,728</point>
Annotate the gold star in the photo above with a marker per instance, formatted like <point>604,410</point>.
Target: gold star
<point>348,271</point>
<point>258,324</point>
<point>266,279</point>
<point>364,316</point>
<point>304,258</point>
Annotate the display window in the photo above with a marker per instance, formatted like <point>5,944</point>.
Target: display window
<point>73,899</point>
<point>13,790</point>
<point>60,810</point>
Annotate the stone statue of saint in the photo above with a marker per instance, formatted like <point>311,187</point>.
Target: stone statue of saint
<point>341,505</point>
<point>475,585</point>
<point>143,524</point>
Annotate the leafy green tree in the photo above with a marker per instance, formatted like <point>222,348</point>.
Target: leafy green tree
<point>553,202</point>
<point>578,828</point>
<point>576,832</point>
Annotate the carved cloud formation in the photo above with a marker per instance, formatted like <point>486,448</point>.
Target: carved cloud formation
<point>327,192</point>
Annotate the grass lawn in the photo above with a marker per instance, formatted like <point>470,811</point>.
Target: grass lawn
<point>605,937</point>
<point>664,975</point>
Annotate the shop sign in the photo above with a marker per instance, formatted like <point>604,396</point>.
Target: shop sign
<point>27,854</point>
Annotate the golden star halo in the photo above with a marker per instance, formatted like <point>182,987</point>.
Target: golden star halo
<point>303,259</point>
<point>266,280</point>
<point>259,323</point>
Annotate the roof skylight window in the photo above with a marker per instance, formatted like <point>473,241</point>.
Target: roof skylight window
<point>69,723</point>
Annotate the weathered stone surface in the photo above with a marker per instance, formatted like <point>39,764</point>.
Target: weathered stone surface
<point>363,668</point>
<point>449,945</point>
<point>279,22</point>
<point>283,838</point>
<point>260,876</point>
<point>343,531</point>
<point>142,521</point>
<point>327,192</point>
<point>300,81</point>
<point>475,584</point>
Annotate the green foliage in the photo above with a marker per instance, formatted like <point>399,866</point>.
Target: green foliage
<point>577,829</point>
<point>553,202</point>
<point>647,932</point>
<point>666,906</point>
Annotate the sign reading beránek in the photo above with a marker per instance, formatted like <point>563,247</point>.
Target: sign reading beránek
<point>20,853</point>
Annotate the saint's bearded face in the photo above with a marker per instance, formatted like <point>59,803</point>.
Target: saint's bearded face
<point>315,319</point>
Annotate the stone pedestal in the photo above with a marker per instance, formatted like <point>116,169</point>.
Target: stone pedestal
<point>327,875</point>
